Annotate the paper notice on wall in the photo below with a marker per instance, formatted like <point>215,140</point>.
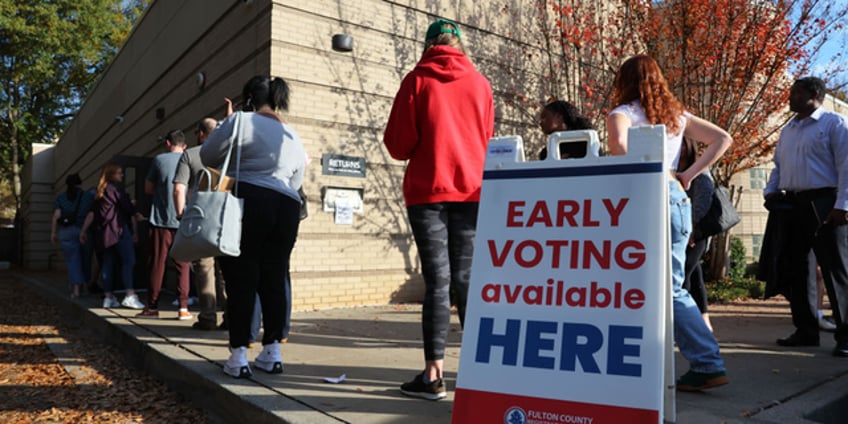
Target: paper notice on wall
<point>344,211</point>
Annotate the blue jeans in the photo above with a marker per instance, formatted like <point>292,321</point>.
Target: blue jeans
<point>695,341</point>
<point>125,252</point>
<point>72,249</point>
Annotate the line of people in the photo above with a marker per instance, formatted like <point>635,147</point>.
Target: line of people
<point>440,122</point>
<point>271,163</point>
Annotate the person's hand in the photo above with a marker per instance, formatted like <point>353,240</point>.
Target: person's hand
<point>83,237</point>
<point>684,179</point>
<point>836,217</point>
<point>135,237</point>
<point>53,238</point>
<point>229,103</point>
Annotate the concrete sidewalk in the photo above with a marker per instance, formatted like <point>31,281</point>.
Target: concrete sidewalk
<point>377,348</point>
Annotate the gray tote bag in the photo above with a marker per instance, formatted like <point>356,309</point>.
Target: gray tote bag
<point>211,222</point>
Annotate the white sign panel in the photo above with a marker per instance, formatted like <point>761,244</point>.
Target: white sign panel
<point>566,309</point>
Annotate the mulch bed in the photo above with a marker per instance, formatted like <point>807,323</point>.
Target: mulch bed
<point>35,387</point>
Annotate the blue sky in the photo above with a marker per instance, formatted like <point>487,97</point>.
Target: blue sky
<point>827,58</point>
<point>832,54</point>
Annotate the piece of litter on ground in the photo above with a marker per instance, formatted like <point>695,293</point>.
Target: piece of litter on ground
<point>335,380</point>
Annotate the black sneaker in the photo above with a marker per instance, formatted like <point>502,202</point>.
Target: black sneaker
<point>417,388</point>
<point>694,381</point>
<point>204,325</point>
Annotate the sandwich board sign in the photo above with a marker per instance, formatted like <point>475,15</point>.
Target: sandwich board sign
<point>568,314</point>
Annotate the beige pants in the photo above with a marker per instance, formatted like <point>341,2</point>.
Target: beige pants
<point>210,289</point>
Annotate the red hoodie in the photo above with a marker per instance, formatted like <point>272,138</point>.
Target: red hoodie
<point>441,120</point>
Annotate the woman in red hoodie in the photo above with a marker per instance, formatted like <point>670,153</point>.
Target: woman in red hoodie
<point>441,121</point>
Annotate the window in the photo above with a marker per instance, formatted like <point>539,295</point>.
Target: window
<point>759,176</point>
<point>756,245</point>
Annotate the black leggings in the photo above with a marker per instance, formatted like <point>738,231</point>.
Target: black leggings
<point>269,229</point>
<point>694,281</point>
<point>444,234</point>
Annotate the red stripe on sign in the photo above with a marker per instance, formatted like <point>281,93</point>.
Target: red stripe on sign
<point>474,406</point>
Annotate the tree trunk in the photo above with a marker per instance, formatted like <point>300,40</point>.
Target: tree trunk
<point>16,169</point>
<point>717,256</point>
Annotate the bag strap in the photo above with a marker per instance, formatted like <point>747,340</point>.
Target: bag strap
<point>236,144</point>
<point>239,131</point>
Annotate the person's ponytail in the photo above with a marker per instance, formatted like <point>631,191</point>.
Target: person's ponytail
<point>280,94</point>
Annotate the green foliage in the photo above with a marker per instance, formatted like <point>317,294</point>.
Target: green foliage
<point>728,290</point>
<point>738,285</point>
<point>52,53</point>
<point>737,267</point>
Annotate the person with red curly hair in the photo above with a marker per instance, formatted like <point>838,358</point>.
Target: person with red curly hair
<point>641,96</point>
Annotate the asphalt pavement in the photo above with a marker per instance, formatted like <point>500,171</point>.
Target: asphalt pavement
<point>376,348</point>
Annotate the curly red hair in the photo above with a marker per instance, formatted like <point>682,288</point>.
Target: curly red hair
<point>640,78</point>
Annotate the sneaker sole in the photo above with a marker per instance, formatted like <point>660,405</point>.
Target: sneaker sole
<point>269,367</point>
<point>204,327</point>
<point>715,382</point>
<point>185,318</point>
<point>238,372</point>
<point>424,395</point>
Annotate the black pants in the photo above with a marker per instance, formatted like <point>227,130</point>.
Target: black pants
<point>830,245</point>
<point>444,234</point>
<point>694,281</point>
<point>269,230</point>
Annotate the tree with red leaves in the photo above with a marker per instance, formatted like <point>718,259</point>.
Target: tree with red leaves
<point>731,62</point>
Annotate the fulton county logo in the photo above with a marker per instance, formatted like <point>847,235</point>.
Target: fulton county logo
<point>515,415</point>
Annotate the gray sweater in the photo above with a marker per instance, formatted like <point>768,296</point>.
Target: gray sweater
<point>272,155</point>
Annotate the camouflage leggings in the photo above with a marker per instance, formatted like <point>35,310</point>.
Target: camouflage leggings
<point>444,234</point>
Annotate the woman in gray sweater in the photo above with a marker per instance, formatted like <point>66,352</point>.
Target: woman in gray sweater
<point>270,171</point>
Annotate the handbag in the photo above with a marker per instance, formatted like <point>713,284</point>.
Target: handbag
<point>211,222</point>
<point>304,213</point>
<point>721,216</point>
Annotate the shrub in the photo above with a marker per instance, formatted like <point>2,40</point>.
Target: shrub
<point>738,284</point>
<point>728,290</point>
<point>737,259</point>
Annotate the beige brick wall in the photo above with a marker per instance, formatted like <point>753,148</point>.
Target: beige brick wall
<point>340,103</point>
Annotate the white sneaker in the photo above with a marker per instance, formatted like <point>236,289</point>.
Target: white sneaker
<point>131,301</point>
<point>270,359</point>
<point>236,366</point>
<point>192,300</point>
<point>110,302</point>
<point>826,324</point>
